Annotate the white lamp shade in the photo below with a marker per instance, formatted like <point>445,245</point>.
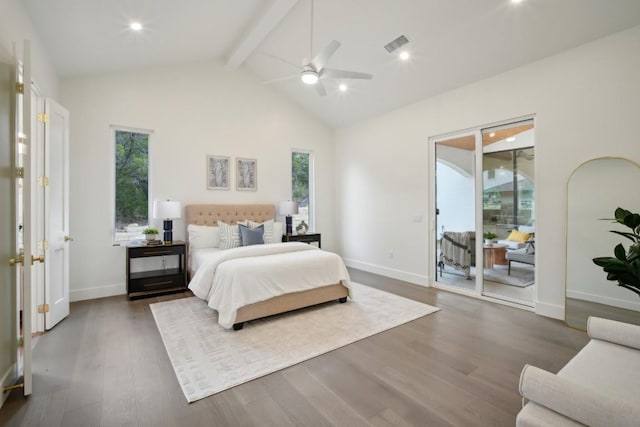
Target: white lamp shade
<point>167,209</point>
<point>288,208</point>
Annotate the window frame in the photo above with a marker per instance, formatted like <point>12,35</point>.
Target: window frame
<point>112,142</point>
<point>312,180</point>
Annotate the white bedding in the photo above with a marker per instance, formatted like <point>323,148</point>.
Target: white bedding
<point>233,278</point>
<point>199,256</point>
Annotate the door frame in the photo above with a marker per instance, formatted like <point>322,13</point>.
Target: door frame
<point>432,232</point>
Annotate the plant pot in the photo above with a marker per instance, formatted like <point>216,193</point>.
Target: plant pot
<point>150,236</point>
<point>488,242</point>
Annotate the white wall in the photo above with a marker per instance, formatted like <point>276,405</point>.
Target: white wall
<point>194,110</point>
<point>586,102</point>
<point>15,27</point>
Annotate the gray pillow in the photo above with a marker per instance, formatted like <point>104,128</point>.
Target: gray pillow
<point>251,236</point>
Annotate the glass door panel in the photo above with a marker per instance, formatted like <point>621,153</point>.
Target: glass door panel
<point>508,212</point>
<point>455,227</point>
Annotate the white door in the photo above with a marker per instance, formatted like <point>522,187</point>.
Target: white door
<point>56,206</point>
<point>15,245</point>
<point>8,242</point>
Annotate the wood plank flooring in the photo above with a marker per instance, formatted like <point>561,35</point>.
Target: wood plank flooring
<point>105,365</point>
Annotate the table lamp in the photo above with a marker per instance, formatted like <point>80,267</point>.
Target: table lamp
<point>287,209</point>
<point>168,210</point>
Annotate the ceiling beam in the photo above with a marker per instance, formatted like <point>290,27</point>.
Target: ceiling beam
<point>259,30</point>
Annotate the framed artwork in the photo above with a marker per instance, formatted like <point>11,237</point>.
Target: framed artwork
<point>246,174</point>
<point>218,172</point>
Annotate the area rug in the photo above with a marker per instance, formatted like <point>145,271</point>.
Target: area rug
<point>208,359</point>
<point>520,276</point>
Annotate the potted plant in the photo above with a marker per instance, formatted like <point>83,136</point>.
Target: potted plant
<point>624,268</point>
<point>150,233</point>
<point>488,237</point>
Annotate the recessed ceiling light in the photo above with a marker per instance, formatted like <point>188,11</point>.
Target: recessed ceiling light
<point>343,87</point>
<point>516,1</point>
<point>136,26</point>
<point>511,139</point>
<point>492,134</point>
<point>404,55</point>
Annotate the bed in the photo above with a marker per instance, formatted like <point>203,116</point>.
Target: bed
<point>251,282</point>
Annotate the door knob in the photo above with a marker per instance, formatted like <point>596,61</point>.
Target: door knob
<point>68,238</point>
<point>19,260</point>
<point>37,259</point>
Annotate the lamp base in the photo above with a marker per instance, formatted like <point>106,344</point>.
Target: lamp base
<point>167,225</point>
<point>289,225</point>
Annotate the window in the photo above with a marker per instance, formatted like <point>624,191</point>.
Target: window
<point>302,186</point>
<point>131,183</point>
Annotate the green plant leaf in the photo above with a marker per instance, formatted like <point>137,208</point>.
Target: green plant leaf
<point>630,236</point>
<point>632,221</point>
<point>621,214</point>
<point>620,252</point>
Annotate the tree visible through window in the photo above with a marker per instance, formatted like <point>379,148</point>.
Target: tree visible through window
<point>302,186</point>
<point>132,184</point>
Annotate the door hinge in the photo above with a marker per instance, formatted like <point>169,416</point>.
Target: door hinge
<point>43,181</point>
<point>43,117</point>
<point>44,245</point>
<point>43,308</point>
<point>20,88</point>
<point>20,172</point>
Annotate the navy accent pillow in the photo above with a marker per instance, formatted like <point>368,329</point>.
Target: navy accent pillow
<point>251,236</point>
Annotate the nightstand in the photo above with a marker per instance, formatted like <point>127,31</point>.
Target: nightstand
<point>306,238</point>
<point>156,281</point>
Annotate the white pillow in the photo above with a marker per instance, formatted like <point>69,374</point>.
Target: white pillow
<point>203,236</point>
<point>278,231</point>
<point>230,235</point>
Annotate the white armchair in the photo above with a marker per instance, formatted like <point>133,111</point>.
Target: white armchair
<point>598,387</point>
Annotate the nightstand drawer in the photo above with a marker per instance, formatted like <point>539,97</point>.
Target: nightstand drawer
<point>156,283</point>
<point>146,251</point>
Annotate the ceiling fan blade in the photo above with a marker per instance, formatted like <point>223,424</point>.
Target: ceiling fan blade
<point>344,74</point>
<point>319,61</point>
<point>281,79</point>
<point>320,89</point>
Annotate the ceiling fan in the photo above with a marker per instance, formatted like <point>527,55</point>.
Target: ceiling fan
<point>313,71</point>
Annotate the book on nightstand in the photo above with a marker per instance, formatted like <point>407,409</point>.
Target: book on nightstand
<point>153,242</point>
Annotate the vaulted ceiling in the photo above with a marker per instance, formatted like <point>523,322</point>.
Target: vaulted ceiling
<point>451,42</point>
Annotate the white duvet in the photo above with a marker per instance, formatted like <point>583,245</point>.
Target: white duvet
<point>237,277</point>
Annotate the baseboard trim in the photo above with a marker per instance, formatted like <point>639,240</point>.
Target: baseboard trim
<point>416,279</point>
<point>615,302</point>
<point>550,310</point>
<point>97,292</point>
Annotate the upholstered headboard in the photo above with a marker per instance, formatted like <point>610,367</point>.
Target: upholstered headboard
<point>230,214</point>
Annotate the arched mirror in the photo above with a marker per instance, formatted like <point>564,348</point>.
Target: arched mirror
<point>595,190</point>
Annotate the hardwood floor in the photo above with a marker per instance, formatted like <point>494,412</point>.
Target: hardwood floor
<point>105,365</point>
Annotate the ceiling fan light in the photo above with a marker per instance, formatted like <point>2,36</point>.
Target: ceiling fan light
<point>309,77</point>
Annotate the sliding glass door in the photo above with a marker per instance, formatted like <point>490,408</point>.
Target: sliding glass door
<point>484,221</point>
<point>455,213</point>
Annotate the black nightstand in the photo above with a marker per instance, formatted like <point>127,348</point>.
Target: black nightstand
<point>306,238</point>
<point>155,282</point>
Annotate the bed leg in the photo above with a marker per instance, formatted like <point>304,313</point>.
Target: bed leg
<point>342,300</point>
<point>238,326</point>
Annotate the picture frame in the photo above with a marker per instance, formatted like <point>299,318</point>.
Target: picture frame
<point>218,172</point>
<point>246,174</point>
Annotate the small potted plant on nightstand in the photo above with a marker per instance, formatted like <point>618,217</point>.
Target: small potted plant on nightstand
<point>488,238</point>
<point>150,233</point>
